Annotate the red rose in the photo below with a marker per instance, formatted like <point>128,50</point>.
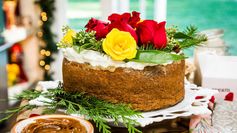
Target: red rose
<point>121,22</point>
<point>160,39</point>
<point>100,27</point>
<point>146,31</point>
<point>126,18</point>
<point>134,19</point>
<point>123,27</point>
<point>149,31</point>
<point>117,17</point>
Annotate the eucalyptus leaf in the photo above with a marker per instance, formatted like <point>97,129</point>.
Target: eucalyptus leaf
<point>181,35</point>
<point>156,57</point>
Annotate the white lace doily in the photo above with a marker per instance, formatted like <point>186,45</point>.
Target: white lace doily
<point>225,116</point>
<point>187,107</point>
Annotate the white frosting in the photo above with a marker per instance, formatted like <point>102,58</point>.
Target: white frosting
<point>44,86</point>
<point>40,101</point>
<point>97,59</point>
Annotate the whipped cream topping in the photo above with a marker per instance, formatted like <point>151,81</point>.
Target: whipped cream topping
<point>97,59</point>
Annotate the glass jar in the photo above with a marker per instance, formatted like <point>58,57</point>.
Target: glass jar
<point>215,45</point>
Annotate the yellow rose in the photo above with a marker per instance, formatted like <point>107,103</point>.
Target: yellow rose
<point>13,68</point>
<point>120,45</point>
<point>11,77</point>
<point>67,39</point>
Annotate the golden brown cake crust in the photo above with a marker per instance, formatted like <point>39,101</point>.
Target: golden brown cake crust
<point>153,88</point>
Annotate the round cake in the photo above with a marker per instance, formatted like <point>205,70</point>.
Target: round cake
<point>154,87</point>
<point>128,60</point>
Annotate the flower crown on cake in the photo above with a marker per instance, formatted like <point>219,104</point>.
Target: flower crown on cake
<point>129,38</point>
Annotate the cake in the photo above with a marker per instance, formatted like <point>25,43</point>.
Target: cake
<point>128,61</point>
<point>155,87</point>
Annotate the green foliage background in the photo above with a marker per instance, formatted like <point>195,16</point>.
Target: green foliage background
<point>48,37</point>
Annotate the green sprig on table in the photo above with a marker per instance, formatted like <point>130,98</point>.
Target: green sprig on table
<point>79,103</point>
<point>13,111</point>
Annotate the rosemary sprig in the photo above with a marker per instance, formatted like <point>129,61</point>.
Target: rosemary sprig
<point>178,40</point>
<point>28,95</point>
<point>192,38</point>
<point>79,103</point>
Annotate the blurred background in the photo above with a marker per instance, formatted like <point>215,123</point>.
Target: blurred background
<point>208,14</point>
<point>30,29</point>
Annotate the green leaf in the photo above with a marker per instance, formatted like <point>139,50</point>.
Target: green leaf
<point>181,35</point>
<point>156,57</point>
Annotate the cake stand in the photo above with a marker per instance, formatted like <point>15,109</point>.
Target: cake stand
<point>187,107</point>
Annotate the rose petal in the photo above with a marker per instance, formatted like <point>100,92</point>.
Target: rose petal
<point>33,115</point>
<point>123,27</point>
<point>229,96</point>
<point>100,27</point>
<point>101,31</point>
<point>212,99</point>
<point>117,17</point>
<point>134,19</point>
<point>199,97</point>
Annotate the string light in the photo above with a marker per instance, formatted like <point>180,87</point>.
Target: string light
<point>45,35</point>
<point>40,23</point>
<point>47,53</point>
<point>41,42</point>
<point>47,67</point>
<point>40,34</point>
<point>44,18</point>
<point>42,51</point>
<point>43,14</point>
<point>42,63</point>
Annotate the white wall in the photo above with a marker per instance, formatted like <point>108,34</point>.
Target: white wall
<point>60,21</point>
